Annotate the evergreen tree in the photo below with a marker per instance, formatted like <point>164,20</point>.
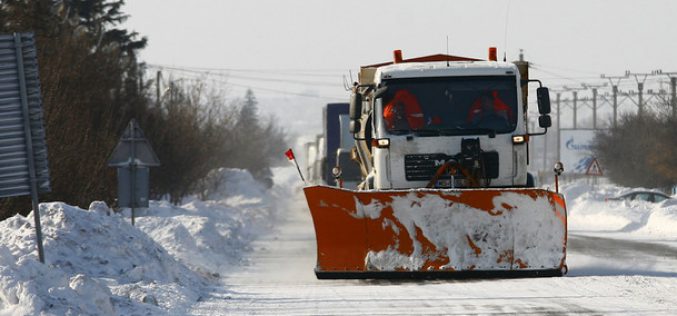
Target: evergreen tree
<point>92,85</point>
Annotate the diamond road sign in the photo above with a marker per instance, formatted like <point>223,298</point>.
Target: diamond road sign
<point>132,156</point>
<point>133,149</point>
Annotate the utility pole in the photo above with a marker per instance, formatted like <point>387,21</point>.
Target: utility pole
<point>574,91</point>
<point>158,78</point>
<point>545,151</point>
<point>614,81</point>
<point>673,96</point>
<point>594,108</point>
<point>594,101</point>
<point>673,88</point>
<point>640,89</point>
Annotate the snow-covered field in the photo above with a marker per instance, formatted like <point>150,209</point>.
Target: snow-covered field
<point>247,250</point>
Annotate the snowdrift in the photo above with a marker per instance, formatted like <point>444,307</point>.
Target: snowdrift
<point>98,264</point>
<point>589,212</point>
<point>208,236</point>
<point>95,264</point>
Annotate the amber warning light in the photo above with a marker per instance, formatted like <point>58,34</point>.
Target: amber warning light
<point>492,54</point>
<point>397,56</point>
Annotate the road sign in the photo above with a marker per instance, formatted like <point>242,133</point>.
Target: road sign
<point>594,169</point>
<point>22,136</point>
<point>133,148</point>
<point>139,196</point>
<point>132,156</point>
<point>23,153</point>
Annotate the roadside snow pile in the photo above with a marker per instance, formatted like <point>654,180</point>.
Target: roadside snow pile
<point>588,211</point>
<point>95,264</point>
<point>208,236</point>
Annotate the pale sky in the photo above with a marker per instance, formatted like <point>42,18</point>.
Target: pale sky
<point>311,44</point>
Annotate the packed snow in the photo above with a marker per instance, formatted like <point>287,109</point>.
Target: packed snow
<point>245,249</point>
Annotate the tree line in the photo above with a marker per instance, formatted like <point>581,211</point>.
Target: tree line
<point>641,151</point>
<point>92,85</point>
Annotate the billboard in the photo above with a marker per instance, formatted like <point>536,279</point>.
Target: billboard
<point>576,150</point>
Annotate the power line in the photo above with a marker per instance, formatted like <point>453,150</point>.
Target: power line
<point>254,87</point>
<point>289,81</point>
<point>567,69</point>
<point>557,75</point>
<point>217,76</point>
<point>308,72</point>
<point>287,92</point>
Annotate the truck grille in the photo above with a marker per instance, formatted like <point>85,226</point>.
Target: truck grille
<point>422,167</point>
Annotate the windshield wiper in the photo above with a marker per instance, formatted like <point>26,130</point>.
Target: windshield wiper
<point>444,131</point>
<point>487,131</point>
<point>399,131</point>
<point>452,131</point>
<point>426,132</point>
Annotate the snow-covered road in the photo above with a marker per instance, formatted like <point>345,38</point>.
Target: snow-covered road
<point>607,276</point>
<point>247,250</point>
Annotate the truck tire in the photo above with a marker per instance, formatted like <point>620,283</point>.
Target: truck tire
<point>530,180</point>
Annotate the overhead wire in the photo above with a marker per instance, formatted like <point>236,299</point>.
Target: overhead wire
<point>329,73</point>
<point>588,72</point>
<point>227,75</point>
<point>217,75</point>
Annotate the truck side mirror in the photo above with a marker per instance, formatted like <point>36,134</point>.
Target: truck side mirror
<point>355,110</point>
<point>544,121</point>
<point>543,97</point>
<point>354,127</point>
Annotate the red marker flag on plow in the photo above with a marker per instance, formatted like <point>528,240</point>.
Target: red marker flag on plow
<point>290,155</point>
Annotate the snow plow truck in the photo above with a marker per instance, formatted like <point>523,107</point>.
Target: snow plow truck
<point>442,145</point>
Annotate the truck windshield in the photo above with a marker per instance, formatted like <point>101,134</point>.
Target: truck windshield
<point>450,105</point>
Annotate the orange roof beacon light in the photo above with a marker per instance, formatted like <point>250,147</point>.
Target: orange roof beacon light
<point>397,56</point>
<point>492,54</point>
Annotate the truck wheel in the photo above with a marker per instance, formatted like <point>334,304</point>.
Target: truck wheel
<point>530,180</point>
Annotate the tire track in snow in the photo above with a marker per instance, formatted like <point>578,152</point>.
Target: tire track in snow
<point>618,248</point>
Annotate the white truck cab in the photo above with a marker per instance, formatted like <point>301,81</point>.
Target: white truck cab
<point>442,124</point>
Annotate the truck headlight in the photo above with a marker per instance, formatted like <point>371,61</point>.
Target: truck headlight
<point>519,139</point>
<point>380,143</point>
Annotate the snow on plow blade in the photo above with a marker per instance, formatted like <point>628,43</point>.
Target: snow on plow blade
<point>438,233</point>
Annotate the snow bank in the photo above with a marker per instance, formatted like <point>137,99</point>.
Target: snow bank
<point>98,264</point>
<point>209,235</point>
<point>588,211</point>
<point>95,265</point>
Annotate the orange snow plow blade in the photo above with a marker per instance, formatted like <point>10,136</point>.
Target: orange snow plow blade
<point>438,233</point>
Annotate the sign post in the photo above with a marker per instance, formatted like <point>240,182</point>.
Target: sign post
<point>23,152</point>
<point>132,156</point>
